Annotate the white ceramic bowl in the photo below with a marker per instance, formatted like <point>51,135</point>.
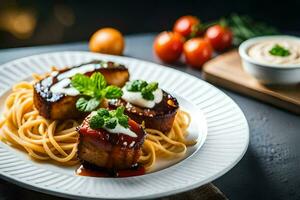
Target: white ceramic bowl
<point>269,73</point>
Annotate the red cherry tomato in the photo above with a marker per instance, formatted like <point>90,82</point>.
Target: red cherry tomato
<point>187,26</point>
<point>197,51</point>
<point>220,37</point>
<point>168,46</point>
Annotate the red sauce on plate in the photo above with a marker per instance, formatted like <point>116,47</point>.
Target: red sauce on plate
<point>93,171</point>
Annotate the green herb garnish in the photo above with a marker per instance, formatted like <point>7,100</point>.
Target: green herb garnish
<point>112,92</point>
<point>119,114</point>
<point>94,89</point>
<point>143,87</point>
<point>278,50</point>
<point>87,105</point>
<point>147,91</point>
<point>136,85</point>
<point>103,112</point>
<point>109,119</point>
<point>111,123</point>
<point>96,122</point>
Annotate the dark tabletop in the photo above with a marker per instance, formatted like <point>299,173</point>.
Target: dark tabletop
<point>270,168</point>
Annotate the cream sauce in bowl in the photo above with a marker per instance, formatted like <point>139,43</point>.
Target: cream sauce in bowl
<point>262,51</point>
<point>272,59</point>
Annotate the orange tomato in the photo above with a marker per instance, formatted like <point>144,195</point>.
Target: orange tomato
<point>108,41</point>
<point>197,51</point>
<point>187,26</point>
<point>168,46</point>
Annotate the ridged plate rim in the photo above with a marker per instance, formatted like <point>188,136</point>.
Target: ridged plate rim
<point>217,156</point>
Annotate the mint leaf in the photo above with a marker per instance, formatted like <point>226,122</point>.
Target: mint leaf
<point>111,123</point>
<point>102,112</point>
<point>119,114</point>
<point>123,121</point>
<point>148,96</point>
<point>143,87</point>
<point>94,87</point>
<point>98,81</point>
<point>87,105</point>
<point>81,104</point>
<point>90,86</point>
<point>109,119</point>
<point>152,86</point>
<point>119,111</point>
<point>136,85</point>
<point>113,92</point>
<point>147,92</point>
<point>92,104</point>
<point>82,83</point>
<point>96,122</point>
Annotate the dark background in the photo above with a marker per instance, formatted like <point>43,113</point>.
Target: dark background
<point>36,22</point>
<point>269,169</point>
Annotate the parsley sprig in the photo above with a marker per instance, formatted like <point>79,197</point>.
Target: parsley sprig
<point>146,89</point>
<point>109,119</point>
<point>278,50</point>
<point>94,89</point>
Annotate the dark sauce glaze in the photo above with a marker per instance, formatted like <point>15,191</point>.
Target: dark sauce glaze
<point>87,169</point>
<point>42,88</point>
<point>168,105</point>
<point>160,117</point>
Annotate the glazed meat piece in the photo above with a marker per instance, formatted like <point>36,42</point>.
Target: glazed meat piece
<point>110,150</point>
<point>63,105</point>
<point>160,117</point>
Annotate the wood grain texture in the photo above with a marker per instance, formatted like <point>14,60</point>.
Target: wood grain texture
<point>226,71</point>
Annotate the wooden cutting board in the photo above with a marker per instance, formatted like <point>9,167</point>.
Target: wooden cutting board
<point>226,71</point>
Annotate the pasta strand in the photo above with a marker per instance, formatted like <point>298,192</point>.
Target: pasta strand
<point>22,126</point>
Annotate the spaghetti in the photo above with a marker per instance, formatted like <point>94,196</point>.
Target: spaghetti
<point>43,139</point>
<point>22,127</point>
<point>170,145</point>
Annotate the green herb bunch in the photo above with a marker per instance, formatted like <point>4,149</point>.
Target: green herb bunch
<point>146,89</point>
<point>94,89</point>
<point>109,119</point>
<point>244,27</point>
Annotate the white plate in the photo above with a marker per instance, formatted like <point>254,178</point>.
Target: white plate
<point>213,113</point>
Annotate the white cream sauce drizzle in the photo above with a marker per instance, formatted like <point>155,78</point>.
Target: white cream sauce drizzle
<point>63,84</point>
<point>78,70</point>
<point>62,87</point>
<point>118,129</point>
<point>137,99</point>
<point>121,129</point>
